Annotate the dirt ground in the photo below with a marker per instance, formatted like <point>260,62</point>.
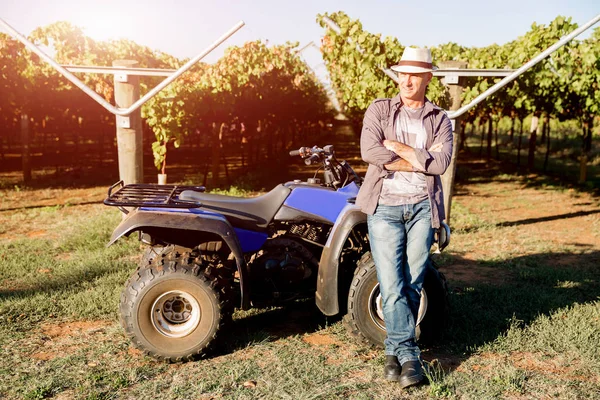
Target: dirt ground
<point>516,214</point>
<point>512,214</point>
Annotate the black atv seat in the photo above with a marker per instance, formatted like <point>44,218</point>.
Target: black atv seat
<point>253,213</point>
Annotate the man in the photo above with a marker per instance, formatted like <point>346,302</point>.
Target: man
<point>407,141</point>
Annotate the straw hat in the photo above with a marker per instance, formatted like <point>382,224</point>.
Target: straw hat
<point>415,61</point>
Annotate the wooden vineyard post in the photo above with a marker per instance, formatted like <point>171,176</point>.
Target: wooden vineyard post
<point>455,86</point>
<point>25,150</point>
<point>129,129</point>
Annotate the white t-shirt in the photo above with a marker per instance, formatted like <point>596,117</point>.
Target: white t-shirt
<point>401,187</point>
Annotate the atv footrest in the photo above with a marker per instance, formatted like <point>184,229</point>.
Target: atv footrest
<point>150,195</point>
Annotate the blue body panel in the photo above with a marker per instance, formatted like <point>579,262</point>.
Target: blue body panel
<point>250,240</point>
<point>351,190</point>
<point>325,203</point>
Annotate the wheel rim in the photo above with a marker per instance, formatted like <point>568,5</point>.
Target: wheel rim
<point>175,314</point>
<point>422,307</point>
<point>376,307</point>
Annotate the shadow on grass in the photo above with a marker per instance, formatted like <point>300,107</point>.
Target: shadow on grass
<point>527,287</point>
<point>67,283</point>
<point>67,178</point>
<point>528,221</point>
<point>71,204</point>
<point>296,318</point>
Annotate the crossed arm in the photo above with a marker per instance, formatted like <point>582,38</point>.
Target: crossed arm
<point>392,155</point>
<point>408,159</point>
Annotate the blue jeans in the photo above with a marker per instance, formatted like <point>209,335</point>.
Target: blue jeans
<point>401,238</point>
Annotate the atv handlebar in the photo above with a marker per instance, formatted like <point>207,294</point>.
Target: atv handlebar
<point>305,152</point>
<point>309,152</point>
<point>312,159</point>
<point>337,174</point>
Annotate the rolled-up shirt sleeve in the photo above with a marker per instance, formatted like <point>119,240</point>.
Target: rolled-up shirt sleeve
<point>433,162</point>
<point>372,149</point>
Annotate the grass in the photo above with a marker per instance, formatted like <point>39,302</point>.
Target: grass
<point>529,331</point>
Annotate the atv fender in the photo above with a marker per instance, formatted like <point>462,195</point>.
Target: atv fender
<point>327,297</point>
<point>187,224</point>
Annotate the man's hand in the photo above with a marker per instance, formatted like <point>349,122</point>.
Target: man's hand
<point>405,152</point>
<point>400,165</point>
<point>398,147</point>
<point>407,155</point>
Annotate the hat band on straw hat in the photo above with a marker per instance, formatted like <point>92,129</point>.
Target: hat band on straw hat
<point>415,64</point>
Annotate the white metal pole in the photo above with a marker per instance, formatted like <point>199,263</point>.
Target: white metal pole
<point>506,80</point>
<point>524,68</point>
<point>96,96</point>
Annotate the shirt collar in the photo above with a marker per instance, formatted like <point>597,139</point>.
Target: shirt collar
<point>396,103</point>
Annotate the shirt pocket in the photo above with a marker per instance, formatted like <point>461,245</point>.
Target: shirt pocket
<point>388,129</point>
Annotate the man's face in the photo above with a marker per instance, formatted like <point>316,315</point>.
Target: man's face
<point>413,86</point>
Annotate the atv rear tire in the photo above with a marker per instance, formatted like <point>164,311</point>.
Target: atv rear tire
<point>152,252</point>
<point>364,319</point>
<point>172,309</point>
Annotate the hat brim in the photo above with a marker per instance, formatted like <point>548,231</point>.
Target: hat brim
<point>410,69</point>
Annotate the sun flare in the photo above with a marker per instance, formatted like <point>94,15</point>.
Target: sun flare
<point>105,24</point>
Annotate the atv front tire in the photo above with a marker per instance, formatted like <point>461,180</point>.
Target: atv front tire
<point>172,309</point>
<point>364,319</point>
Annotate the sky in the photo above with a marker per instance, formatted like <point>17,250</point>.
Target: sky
<point>184,28</point>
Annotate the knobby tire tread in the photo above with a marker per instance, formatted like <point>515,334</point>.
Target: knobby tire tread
<point>172,262</point>
<point>349,319</point>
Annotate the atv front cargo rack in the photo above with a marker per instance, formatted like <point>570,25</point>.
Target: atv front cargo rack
<point>149,195</point>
